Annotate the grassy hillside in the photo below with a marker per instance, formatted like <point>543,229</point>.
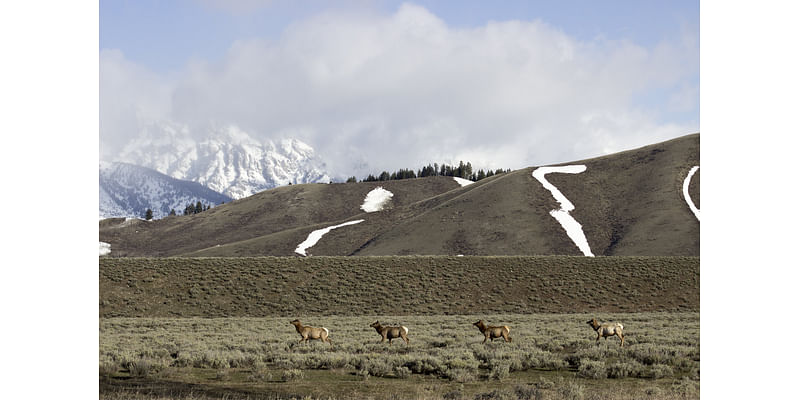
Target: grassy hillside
<point>629,203</point>
<point>271,211</point>
<point>273,286</point>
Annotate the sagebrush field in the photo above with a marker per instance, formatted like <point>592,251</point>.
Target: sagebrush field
<point>229,334</point>
<point>551,356</point>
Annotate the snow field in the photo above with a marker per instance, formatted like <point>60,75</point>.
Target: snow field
<point>376,199</point>
<point>315,236</point>
<point>573,228</point>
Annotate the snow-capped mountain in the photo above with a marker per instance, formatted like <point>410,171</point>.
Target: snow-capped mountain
<point>228,160</point>
<point>128,190</point>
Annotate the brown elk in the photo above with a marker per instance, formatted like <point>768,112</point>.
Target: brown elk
<point>607,329</point>
<point>391,332</point>
<point>310,332</point>
<point>493,332</point>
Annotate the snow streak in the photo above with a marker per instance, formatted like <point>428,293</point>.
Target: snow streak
<point>686,196</point>
<point>573,228</point>
<point>315,236</point>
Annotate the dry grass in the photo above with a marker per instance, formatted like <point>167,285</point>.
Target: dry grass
<point>552,355</point>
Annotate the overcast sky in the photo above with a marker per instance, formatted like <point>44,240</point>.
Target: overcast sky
<point>383,85</point>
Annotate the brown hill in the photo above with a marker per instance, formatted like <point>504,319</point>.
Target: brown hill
<point>629,203</point>
<point>290,286</point>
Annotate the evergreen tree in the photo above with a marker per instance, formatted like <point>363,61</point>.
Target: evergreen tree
<point>351,179</point>
<point>198,208</point>
<point>172,212</point>
<point>148,215</point>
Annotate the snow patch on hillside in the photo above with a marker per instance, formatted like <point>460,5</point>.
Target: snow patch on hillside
<point>376,199</point>
<point>463,182</point>
<point>105,248</point>
<point>315,236</point>
<point>686,196</point>
<point>573,228</point>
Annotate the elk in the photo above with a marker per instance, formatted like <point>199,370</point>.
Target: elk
<point>493,332</point>
<point>391,332</point>
<point>607,329</point>
<point>310,332</point>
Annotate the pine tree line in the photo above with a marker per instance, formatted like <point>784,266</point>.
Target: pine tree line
<point>188,210</point>
<point>463,170</point>
<point>195,208</point>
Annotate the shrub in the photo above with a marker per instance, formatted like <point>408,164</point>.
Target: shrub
<point>426,365</point>
<point>259,375</point>
<point>459,375</point>
<point>402,372</point>
<point>499,371</point>
<point>292,374</point>
<point>142,368</point>
<point>624,369</point>
<point>593,370</point>
<point>686,388</point>
<point>107,369</point>
<point>378,367</point>
<point>495,394</point>
<point>454,395</point>
<point>545,384</point>
<point>527,392</point>
<point>571,391</point>
<point>658,371</point>
<point>210,360</point>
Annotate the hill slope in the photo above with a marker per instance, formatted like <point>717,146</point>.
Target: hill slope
<point>629,203</point>
<point>281,286</point>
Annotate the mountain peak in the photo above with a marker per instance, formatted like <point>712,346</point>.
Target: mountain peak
<point>227,160</point>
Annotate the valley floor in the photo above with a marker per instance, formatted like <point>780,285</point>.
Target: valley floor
<point>552,356</point>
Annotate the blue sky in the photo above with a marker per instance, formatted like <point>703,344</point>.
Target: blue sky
<point>164,35</point>
<point>502,84</point>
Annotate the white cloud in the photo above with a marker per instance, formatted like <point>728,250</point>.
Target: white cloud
<point>130,95</point>
<point>373,92</point>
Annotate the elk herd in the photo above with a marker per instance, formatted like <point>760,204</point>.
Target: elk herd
<point>488,331</point>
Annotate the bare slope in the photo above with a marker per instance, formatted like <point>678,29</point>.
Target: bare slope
<point>264,214</point>
<point>628,203</point>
